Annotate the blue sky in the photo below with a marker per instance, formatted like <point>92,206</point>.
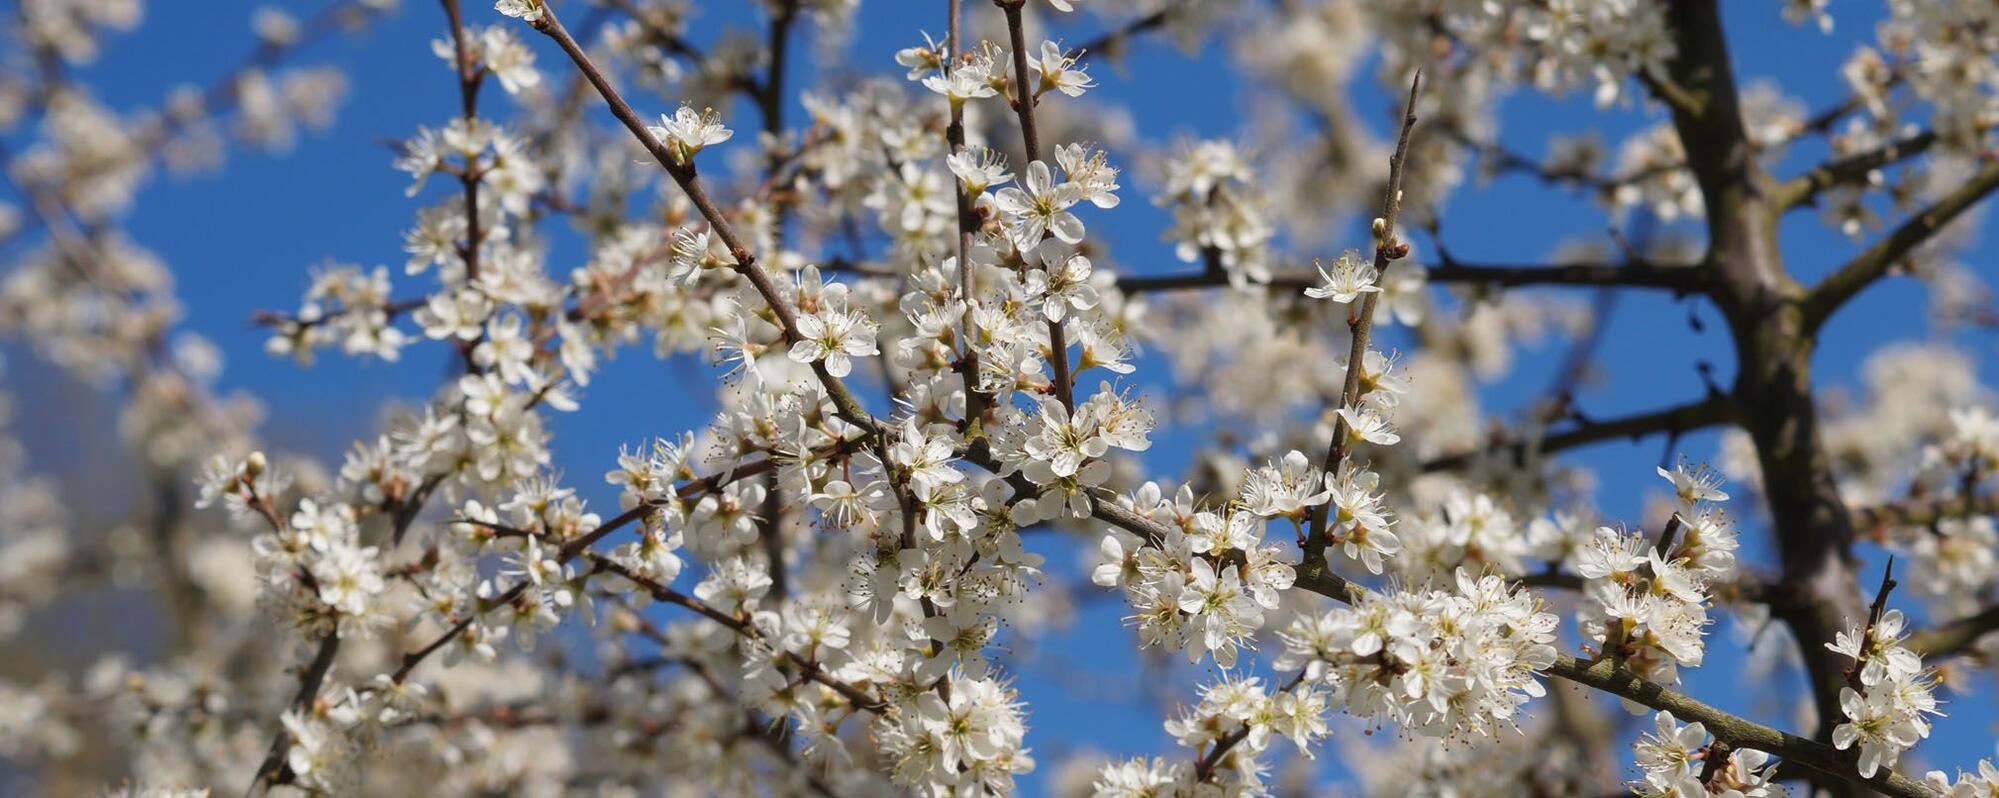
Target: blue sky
<point>243,240</point>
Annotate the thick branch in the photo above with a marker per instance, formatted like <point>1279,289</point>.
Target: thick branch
<point>1316,576</point>
<point>1878,260</point>
<point>1956,637</point>
<point>1608,676</point>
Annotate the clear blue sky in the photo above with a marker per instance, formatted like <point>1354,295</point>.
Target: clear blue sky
<point>243,240</point>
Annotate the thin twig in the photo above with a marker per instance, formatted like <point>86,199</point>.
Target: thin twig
<point>686,177</point>
<point>1360,321</point>
<point>1680,280</point>
<point>1025,96</point>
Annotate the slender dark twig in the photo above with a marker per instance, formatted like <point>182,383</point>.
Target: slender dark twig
<point>1360,321</point>
<point>1025,95</point>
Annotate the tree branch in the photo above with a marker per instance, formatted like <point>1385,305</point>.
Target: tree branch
<point>1360,321</point>
<point>274,770</point>
<point>470,74</point>
<point>1707,412</point>
<point>685,176</point>
<point>1110,42</point>
<point>1954,638</point>
<point>811,670</point>
<point>1924,512</point>
<point>1680,280</point>
<point>1886,254</point>
<point>1605,675</point>
<point>1024,98</point>
<point>1805,189</point>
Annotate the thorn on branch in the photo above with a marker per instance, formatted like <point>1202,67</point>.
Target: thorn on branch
<point>1874,613</point>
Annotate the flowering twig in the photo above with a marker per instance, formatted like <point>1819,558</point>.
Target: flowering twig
<point>1360,322</point>
<point>811,670</point>
<point>685,176</point>
<point>470,75</point>
<point>968,224</point>
<point>274,770</point>
<point>1867,639</point>
<point>1024,98</point>
<point>1606,675</point>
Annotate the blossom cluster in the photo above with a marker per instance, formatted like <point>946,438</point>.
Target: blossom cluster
<point>1648,601</point>
<point>1678,762</point>
<point>1887,704</point>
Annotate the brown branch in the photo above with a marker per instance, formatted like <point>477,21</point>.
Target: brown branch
<point>1956,637</point>
<point>685,176</point>
<point>1823,121</point>
<point>274,770</point>
<point>1360,321</point>
<point>976,400</point>
<point>470,75</point>
<point>1502,159</point>
<point>1874,613</point>
<point>770,98</point>
<point>1805,189</point>
<point>1204,768</point>
<point>666,40</point>
<point>1923,512</point>
<point>1707,412</point>
<point>1606,675</point>
<point>810,669</point>
<point>1024,99</point>
<point>1609,676</point>
<point>1677,279</point>
<point>1881,258</point>
<point>1110,42</point>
